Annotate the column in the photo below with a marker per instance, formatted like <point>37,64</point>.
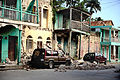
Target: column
<point>110,45</point>
<point>37,12</point>
<point>19,45</point>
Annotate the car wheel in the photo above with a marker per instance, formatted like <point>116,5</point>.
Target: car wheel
<point>51,64</point>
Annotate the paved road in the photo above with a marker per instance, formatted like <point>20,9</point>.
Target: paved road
<point>49,74</point>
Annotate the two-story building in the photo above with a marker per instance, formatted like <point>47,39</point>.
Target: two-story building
<point>24,26</point>
<point>70,28</point>
<point>12,20</point>
<point>37,36</point>
<point>109,39</point>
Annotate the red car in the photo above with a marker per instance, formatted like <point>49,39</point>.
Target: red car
<point>91,57</point>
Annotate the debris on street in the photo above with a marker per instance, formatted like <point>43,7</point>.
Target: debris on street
<point>84,66</point>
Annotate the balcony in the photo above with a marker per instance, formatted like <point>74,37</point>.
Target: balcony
<point>11,13</point>
<point>83,26</point>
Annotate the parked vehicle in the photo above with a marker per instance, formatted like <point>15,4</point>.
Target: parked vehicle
<point>91,57</point>
<point>44,57</point>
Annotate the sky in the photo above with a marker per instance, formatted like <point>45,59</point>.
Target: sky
<point>110,10</point>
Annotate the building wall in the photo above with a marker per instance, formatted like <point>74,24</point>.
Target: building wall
<point>44,29</point>
<point>94,43</point>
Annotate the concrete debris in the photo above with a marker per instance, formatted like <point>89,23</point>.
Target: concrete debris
<point>25,58</point>
<point>84,66</point>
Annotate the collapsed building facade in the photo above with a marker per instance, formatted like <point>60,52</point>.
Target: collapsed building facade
<point>24,27</point>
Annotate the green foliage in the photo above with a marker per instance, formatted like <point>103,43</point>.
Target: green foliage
<point>94,5</point>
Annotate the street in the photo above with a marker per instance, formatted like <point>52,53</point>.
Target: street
<point>50,74</point>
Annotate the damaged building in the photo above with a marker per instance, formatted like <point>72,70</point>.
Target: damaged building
<point>69,30</point>
<point>109,39</point>
<point>12,18</point>
<point>24,26</point>
<point>38,36</point>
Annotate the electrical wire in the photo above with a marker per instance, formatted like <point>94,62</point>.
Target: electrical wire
<point>111,2</point>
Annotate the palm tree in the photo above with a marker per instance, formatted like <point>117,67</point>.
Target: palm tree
<point>94,5</point>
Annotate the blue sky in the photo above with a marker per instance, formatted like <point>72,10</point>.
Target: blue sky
<point>110,10</point>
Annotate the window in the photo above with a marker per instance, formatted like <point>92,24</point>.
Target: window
<point>48,40</point>
<point>29,43</point>
<point>39,42</point>
<point>45,17</point>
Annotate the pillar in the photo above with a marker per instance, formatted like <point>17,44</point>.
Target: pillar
<point>37,12</point>
<point>110,45</point>
<point>79,46</point>
<point>19,45</point>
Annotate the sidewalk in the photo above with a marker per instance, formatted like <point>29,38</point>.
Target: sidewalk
<point>4,67</point>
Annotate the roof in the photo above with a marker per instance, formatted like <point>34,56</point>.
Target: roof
<point>102,23</point>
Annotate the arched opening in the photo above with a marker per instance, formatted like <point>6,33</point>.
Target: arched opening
<point>39,42</point>
<point>48,40</point>
<point>29,43</point>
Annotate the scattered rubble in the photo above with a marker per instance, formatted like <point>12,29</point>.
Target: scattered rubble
<point>83,66</point>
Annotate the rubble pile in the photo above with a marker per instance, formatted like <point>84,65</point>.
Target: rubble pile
<point>84,66</point>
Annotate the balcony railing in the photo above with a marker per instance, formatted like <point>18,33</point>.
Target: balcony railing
<point>14,14</point>
<point>83,26</point>
<point>112,40</point>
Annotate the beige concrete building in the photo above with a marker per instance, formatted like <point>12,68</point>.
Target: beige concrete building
<point>38,36</point>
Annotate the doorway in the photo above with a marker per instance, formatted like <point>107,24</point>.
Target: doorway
<point>12,48</point>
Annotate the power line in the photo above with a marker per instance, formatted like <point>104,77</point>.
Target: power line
<point>111,2</point>
<point>112,5</point>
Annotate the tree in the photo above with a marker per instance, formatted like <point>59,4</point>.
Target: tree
<point>94,5</point>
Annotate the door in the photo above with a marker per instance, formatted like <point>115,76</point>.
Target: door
<point>12,52</point>
<point>0,46</point>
